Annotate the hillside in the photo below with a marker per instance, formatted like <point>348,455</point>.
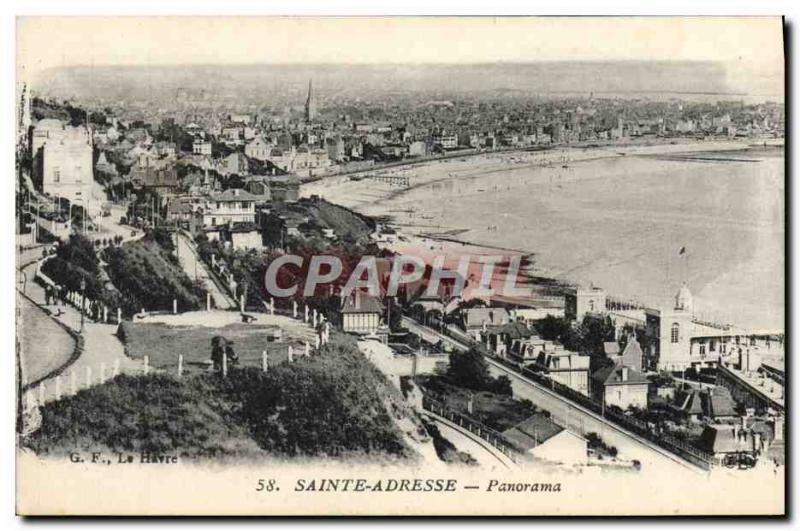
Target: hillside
<point>149,277</point>
<point>335,405</point>
<point>348,225</point>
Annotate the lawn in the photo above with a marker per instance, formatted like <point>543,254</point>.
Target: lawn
<point>499,412</point>
<point>163,343</point>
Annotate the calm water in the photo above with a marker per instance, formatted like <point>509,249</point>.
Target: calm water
<point>620,223</point>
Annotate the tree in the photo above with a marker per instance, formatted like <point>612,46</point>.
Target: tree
<point>596,331</point>
<point>551,328</point>
<point>559,329</point>
<point>469,369</point>
<point>395,314</point>
<point>502,385</point>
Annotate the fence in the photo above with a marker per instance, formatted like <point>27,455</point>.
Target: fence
<point>495,438</point>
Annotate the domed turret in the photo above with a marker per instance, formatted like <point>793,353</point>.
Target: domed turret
<point>683,299</point>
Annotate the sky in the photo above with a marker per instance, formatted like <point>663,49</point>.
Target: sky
<point>751,48</point>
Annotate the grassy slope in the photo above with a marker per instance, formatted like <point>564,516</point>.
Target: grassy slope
<point>335,404</point>
<point>344,222</point>
<point>150,278</point>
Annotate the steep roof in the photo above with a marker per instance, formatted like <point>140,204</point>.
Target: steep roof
<point>722,438</point>
<point>721,403</point>
<point>490,316</point>
<point>361,303</point>
<point>613,375</point>
<point>632,354</point>
<point>532,431</point>
<point>233,194</point>
<point>514,330</point>
<point>691,403</point>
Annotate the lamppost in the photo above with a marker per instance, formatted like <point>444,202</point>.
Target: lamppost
<point>83,298</point>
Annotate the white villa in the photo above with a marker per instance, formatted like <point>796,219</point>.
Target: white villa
<point>228,207</point>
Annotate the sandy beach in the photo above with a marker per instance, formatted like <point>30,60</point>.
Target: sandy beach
<point>612,216</point>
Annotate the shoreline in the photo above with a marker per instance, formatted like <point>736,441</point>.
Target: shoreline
<point>671,146</point>
<point>331,187</point>
<point>448,235</point>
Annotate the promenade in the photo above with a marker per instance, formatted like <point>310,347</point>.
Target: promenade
<point>58,357</point>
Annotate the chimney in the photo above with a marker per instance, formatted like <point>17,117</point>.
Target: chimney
<point>624,374</point>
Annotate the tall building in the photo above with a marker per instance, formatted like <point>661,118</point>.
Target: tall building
<point>311,105</point>
<point>671,331</point>
<point>63,160</point>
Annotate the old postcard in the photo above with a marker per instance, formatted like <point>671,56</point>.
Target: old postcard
<point>400,266</point>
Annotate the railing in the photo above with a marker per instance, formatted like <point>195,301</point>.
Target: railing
<point>757,394</point>
<point>493,437</point>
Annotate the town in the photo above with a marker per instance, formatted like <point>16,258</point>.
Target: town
<point>144,234</point>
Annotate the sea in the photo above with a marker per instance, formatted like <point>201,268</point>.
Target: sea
<point>638,226</point>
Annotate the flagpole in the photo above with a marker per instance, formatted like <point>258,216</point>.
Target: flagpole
<point>669,259</point>
<point>686,255</point>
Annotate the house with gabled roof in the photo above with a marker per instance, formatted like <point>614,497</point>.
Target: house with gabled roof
<point>360,313</point>
<point>620,386</point>
<point>231,206</point>
<point>539,436</point>
<point>476,320</point>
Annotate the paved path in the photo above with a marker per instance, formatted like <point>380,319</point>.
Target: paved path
<point>102,353</point>
<point>195,268</point>
<point>487,455</point>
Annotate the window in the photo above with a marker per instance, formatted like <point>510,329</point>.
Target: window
<point>56,175</point>
<point>712,346</point>
<point>702,349</point>
<point>675,334</point>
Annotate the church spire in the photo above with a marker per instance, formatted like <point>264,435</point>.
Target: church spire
<point>311,108</point>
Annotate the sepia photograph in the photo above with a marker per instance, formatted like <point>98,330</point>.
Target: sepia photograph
<point>417,266</point>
